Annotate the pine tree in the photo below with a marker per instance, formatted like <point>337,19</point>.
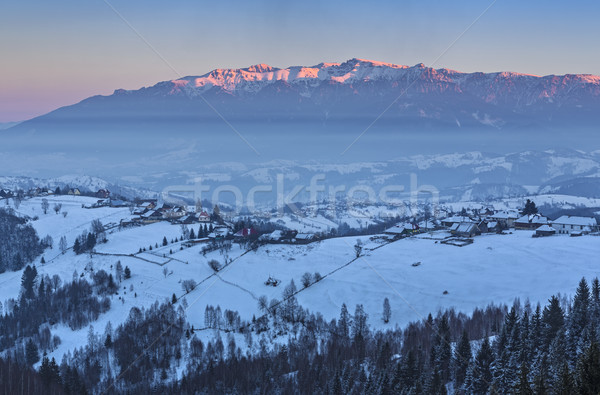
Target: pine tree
<point>565,384</point>
<point>45,372</point>
<point>595,303</point>
<point>77,246</point>
<point>536,330</point>
<point>462,359</point>
<point>530,208</point>
<point>55,372</point>
<point>553,318</point>
<point>482,372</point>
<point>28,280</point>
<point>588,371</point>
<point>524,387</point>
<point>343,324</point>
<point>108,341</point>
<point>165,242</point>
<point>579,316</point>
<point>442,352</point>
<point>540,387</point>
<point>31,353</point>
<point>387,311</point>
<point>127,272</point>
<point>42,288</point>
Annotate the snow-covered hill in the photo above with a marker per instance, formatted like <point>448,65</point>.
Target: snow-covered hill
<point>496,268</point>
<point>84,183</point>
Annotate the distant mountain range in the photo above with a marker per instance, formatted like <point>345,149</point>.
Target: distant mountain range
<point>356,88</point>
<point>305,113</point>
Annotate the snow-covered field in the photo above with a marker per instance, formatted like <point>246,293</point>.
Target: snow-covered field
<point>495,268</point>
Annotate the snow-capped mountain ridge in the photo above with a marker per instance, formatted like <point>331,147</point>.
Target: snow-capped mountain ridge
<point>491,87</point>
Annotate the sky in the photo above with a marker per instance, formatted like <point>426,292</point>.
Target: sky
<point>57,53</point>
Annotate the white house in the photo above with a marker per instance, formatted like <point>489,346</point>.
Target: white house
<point>568,224</point>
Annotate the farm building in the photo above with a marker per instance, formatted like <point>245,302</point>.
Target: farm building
<point>466,229</point>
<point>545,230</point>
<point>531,222</point>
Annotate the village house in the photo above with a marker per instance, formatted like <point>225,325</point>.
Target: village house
<point>429,224</point>
<point>175,213</point>
<point>151,216</point>
<point>148,205</point>
<point>466,229</point>
<point>544,230</point>
<point>219,232</point>
<point>74,192</point>
<point>203,217</point>
<point>449,221</point>
<point>305,238</point>
<point>402,229</point>
<point>33,192</point>
<point>280,236</point>
<point>136,210</point>
<point>492,227</point>
<point>530,222</point>
<point>505,218</point>
<point>103,194</point>
<point>245,233</point>
<point>5,193</point>
<point>573,225</point>
<point>483,226</point>
<point>117,203</point>
<point>188,219</point>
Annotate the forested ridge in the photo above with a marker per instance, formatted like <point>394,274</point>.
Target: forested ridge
<point>549,349</point>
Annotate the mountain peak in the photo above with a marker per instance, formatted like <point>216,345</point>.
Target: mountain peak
<point>373,63</point>
<point>260,68</point>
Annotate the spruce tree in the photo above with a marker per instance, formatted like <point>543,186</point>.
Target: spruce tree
<point>588,371</point>
<point>553,318</point>
<point>442,350</point>
<point>387,311</point>
<point>462,359</point>
<point>482,371</point>
<point>524,387</point>
<point>579,316</point>
<point>28,280</point>
<point>31,353</point>
<point>565,385</point>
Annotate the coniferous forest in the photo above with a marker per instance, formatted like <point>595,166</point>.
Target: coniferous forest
<point>19,243</point>
<point>524,349</point>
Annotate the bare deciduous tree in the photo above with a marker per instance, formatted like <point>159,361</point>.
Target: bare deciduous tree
<point>214,265</point>
<point>62,244</point>
<point>45,206</point>
<point>188,285</point>
<point>358,248</point>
